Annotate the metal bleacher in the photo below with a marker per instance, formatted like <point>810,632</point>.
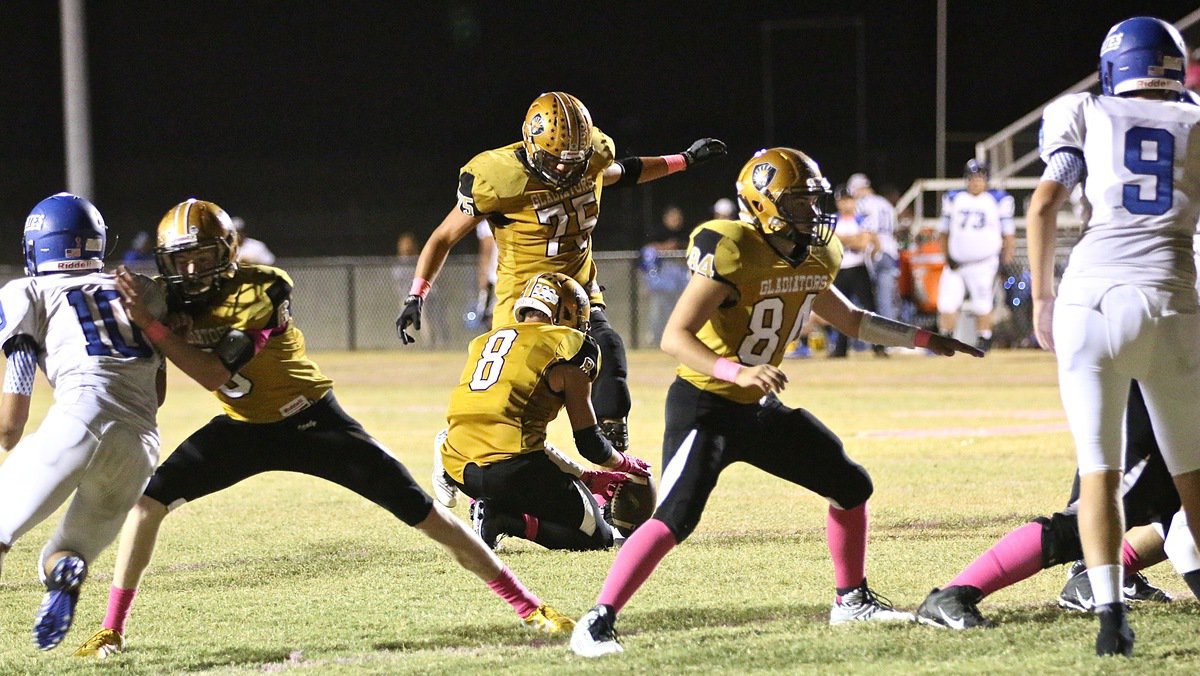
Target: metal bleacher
<point>1012,155</point>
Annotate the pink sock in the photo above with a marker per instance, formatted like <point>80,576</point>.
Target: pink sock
<point>639,556</point>
<point>508,587</point>
<point>1129,558</point>
<point>846,534</point>
<point>119,601</point>
<point>1015,557</point>
<point>531,526</point>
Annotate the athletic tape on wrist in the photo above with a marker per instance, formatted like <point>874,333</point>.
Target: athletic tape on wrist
<point>420,287</point>
<point>727,370</point>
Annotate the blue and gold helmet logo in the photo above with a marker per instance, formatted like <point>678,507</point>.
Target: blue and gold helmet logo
<point>537,125</point>
<point>762,175</point>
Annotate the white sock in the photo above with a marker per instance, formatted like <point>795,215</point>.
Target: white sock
<point>1106,584</point>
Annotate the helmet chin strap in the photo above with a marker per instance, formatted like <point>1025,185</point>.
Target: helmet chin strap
<point>798,247</point>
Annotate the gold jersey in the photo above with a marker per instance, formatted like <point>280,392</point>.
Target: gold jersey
<point>280,380</point>
<point>771,303</point>
<point>537,227</point>
<point>503,402</point>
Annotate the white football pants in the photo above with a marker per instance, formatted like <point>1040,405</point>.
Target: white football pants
<point>1106,336</point>
<point>105,460</point>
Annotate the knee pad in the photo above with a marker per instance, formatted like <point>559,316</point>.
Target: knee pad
<point>857,488</point>
<point>1180,547</point>
<point>1060,539</point>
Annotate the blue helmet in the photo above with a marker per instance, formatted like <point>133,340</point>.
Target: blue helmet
<point>1142,53</point>
<point>64,233</point>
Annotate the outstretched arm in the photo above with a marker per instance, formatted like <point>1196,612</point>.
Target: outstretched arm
<point>856,322</point>
<point>630,171</point>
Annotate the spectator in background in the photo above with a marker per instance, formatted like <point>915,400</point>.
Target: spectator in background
<point>250,250</point>
<point>724,209</point>
<point>664,279</point>
<point>140,251</point>
<point>853,279</point>
<point>977,236</point>
<point>878,217</point>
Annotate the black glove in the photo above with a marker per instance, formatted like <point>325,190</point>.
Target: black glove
<point>410,315</point>
<point>703,150</point>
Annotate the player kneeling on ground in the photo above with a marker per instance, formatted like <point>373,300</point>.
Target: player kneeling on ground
<point>516,380</point>
<point>100,438</point>
<point>753,284</point>
<point>233,333</point>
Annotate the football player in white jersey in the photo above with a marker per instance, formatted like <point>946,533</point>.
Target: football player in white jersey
<point>1127,305</point>
<point>100,438</point>
<point>977,235</point>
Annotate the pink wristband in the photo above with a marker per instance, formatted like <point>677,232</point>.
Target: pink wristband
<point>156,331</point>
<point>420,287</point>
<point>727,370</point>
<point>922,338</point>
<point>675,163</point>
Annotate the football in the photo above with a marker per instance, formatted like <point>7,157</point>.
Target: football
<point>633,503</point>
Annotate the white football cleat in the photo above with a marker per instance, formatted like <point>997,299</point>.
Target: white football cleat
<point>864,605</point>
<point>595,635</point>
<point>445,492</point>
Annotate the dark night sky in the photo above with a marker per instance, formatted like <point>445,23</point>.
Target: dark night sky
<point>333,126</point>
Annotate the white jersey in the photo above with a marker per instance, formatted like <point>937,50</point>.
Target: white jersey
<point>1142,187</point>
<point>976,224</point>
<point>879,217</point>
<point>851,225</point>
<point>87,346</point>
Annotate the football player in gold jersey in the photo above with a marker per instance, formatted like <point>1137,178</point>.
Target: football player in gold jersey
<point>516,380</point>
<point>753,284</point>
<point>541,196</point>
<point>234,334</point>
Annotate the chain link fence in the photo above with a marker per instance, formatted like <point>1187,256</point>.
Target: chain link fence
<point>351,303</point>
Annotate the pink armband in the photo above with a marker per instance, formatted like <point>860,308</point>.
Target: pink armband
<point>675,163</point>
<point>727,370</point>
<point>921,339</point>
<point>156,331</point>
<point>420,287</point>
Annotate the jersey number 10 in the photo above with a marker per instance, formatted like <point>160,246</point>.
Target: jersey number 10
<point>112,342</point>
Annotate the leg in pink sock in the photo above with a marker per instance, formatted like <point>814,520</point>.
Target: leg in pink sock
<point>639,556</point>
<point>119,601</point>
<point>508,587</point>
<point>846,533</point>
<point>1015,557</point>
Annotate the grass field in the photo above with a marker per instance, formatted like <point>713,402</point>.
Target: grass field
<point>284,572</point>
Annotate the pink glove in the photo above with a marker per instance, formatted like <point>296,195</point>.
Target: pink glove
<point>630,464</point>
<point>602,484</point>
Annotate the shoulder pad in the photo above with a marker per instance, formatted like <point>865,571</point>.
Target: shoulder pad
<point>495,176</point>
<point>714,250</point>
<point>587,357</point>
<point>605,149</point>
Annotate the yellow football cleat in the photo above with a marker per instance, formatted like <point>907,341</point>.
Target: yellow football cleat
<point>102,644</point>
<point>548,620</point>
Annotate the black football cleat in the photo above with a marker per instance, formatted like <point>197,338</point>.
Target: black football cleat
<point>953,608</point>
<point>1115,636</point>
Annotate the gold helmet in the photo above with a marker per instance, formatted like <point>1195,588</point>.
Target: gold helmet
<point>782,192</point>
<point>557,296</point>
<point>196,250</point>
<point>557,136</point>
